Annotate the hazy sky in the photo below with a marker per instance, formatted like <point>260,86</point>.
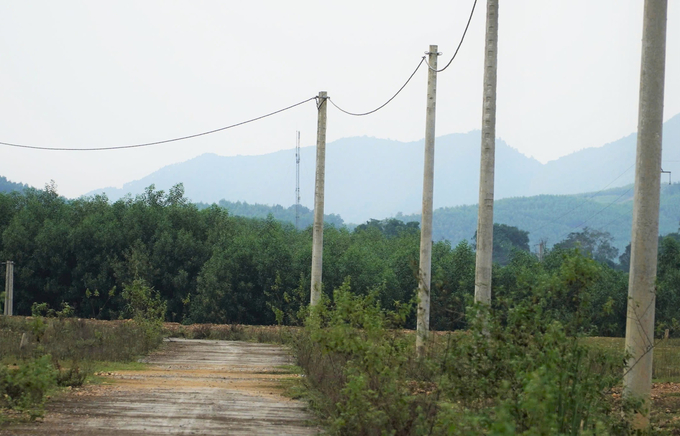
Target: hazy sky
<point>87,74</point>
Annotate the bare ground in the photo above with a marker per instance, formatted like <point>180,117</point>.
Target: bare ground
<point>192,387</point>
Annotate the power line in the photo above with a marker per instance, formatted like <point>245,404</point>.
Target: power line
<point>387,102</point>
<point>597,213</point>
<point>147,144</point>
<point>585,200</point>
<point>615,220</point>
<point>462,38</point>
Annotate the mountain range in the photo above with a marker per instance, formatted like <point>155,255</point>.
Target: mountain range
<point>378,178</point>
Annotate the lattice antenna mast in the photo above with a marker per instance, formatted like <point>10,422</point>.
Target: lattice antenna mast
<point>297,179</point>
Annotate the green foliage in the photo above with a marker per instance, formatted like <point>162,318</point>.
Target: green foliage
<point>506,239</point>
<point>277,212</point>
<point>594,243</point>
<point>520,373</point>
<point>46,353</point>
<point>24,388</point>
<point>74,256</point>
<point>517,370</point>
<point>390,227</point>
<point>145,307</point>
<point>359,365</point>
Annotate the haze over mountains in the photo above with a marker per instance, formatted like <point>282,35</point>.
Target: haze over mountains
<point>378,178</point>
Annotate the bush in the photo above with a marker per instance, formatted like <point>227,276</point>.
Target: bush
<point>359,365</point>
<point>145,307</point>
<point>517,370</point>
<point>526,376</point>
<point>24,388</point>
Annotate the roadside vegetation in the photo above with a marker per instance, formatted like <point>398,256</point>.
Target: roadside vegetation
<point>545,358</point>
<point>524,366</point>
<point>51,350</point>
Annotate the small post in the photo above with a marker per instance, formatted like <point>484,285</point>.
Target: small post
<point>425,269</point>
<point>317,236</point>
<point>484,254</point>
<point>637,380</point>
<point>9,288</point>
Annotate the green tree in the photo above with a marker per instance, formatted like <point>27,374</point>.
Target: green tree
<point>506,239</point>
<point>594,243</point>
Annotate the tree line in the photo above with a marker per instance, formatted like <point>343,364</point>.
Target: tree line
<point>209,266</point>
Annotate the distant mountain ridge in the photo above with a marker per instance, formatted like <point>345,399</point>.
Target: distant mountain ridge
<point>377,178</point>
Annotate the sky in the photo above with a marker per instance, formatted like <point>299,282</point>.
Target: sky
<point>90,74</point>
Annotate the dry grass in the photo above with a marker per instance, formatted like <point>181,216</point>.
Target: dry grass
<point>231,332</point>
<point>72,339</point>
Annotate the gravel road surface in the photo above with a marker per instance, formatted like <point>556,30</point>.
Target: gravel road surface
<point>191,387</point>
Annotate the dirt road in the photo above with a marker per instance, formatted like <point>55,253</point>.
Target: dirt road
<point>192,387</point>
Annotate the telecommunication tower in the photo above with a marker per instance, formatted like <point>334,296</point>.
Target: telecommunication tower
<point>297,179</point>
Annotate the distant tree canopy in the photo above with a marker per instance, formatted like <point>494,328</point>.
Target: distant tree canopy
<point>506,239</point>
<point>594,243</point>
<point>278,212</point>
<point>211,266</point>
<point>389,227</point>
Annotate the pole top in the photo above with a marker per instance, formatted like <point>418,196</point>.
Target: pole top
<point>323,94</point>
<point>433,50</point>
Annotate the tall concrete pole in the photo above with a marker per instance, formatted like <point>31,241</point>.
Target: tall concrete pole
<point>317,237</point>
<point>484,255</point>
<point>637,380</point>
<point>425,269</point>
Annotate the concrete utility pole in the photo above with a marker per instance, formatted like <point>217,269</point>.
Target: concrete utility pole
<point>9,288</point>
<point>317,238</point>
<point>484,255</point>
<point>425,270</point>
<point>637,380</point>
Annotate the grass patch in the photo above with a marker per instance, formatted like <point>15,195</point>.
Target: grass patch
<point>290,369</point>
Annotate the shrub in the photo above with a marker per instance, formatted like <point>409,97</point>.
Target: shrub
<point>24,388</point>
<point>517,370</point>
<point>145,307</point>
<point>359,365</point>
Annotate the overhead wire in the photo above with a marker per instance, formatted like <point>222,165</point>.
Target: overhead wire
<point>585,200</point>
<point>422,60</point>
<point>182,138</point>
<point>597,213</point>
<point>165,141</point>
<point>462,38</point>
<point>355,114</point>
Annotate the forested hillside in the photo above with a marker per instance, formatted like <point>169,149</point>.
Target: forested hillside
<point>552,217</point>
<point>9,186</point>
<point>211,266</point>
